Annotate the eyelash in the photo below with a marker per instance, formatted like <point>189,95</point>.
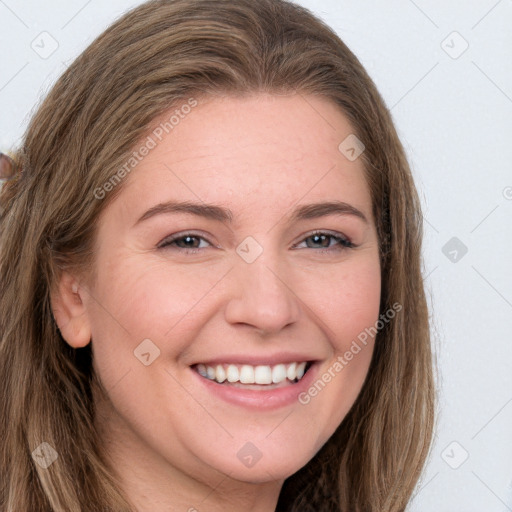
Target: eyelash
<point>343,242</point>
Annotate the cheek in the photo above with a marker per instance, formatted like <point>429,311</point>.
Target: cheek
<point>346,299</point>
<point>142,299</point>
<point>355,320</point>
<point>348,309</point>
<point>148,296</point>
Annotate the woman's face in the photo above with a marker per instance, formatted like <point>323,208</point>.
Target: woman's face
<point>227,253</point>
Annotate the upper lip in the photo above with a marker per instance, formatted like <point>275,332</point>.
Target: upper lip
<point>258,360</point>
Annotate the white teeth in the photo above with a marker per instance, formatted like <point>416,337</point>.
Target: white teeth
<point>232,374</point>
<point>263,375</point>
<point>301,368</point>
<point>278,373</point>
<point>247,374</point>
<point>291,371</point>
<point>220,373</point>
<point>201,369</point>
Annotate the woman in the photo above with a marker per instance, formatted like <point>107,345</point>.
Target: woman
<point>211,290</point>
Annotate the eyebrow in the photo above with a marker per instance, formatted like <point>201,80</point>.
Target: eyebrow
<point>221,214</point>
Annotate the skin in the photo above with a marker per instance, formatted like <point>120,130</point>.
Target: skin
<point>174,443</point>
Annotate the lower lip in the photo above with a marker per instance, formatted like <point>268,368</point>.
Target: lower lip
<point>261,399</point>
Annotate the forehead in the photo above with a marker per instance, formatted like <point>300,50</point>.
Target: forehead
<point>257,153</point>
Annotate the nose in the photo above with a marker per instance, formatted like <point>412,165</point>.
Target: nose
<point>262,297</point>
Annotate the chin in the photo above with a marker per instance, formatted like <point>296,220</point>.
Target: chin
<point>273,465</point>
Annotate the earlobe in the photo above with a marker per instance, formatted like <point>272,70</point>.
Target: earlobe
<point>70,312</point>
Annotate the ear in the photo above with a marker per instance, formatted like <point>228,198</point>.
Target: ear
<point>70,312</point>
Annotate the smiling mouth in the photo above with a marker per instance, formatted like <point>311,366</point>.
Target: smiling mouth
<point>254,377</point>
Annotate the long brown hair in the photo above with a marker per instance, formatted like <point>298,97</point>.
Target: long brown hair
<point>154,57</point>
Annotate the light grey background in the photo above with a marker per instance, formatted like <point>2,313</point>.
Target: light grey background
<point>452,106</point>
